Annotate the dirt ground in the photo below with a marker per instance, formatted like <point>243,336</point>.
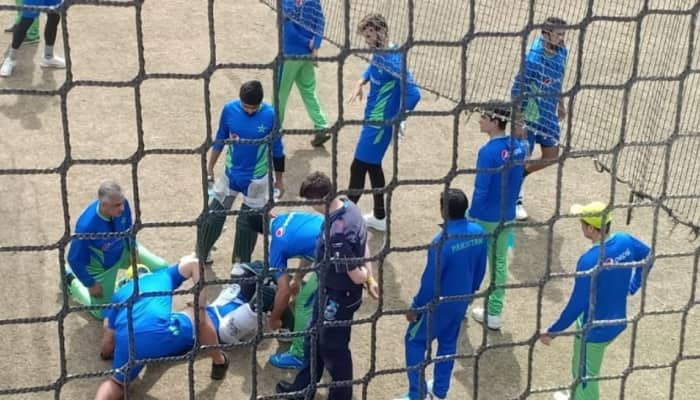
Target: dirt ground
<point>657,359</point>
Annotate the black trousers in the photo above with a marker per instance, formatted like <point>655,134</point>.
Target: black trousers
<point>358,171</point>
<point>333,344</point>
<point>50,29</point>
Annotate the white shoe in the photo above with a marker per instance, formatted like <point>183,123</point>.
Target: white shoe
<point>494,322</point>
<point>375,223</point>
<point>520,213</point>
<point>53,62</point>
<point>561,395</point>
<point>429,396</point>
<point>227,295</point>
<point>7,66</point>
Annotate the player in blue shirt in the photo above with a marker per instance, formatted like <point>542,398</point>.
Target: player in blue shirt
<point>538,88</point>
<point>93,263</point>
<point>302,31</point>
<point>384,102</point>
<point>246,118</point>
<point>157,330</point>
<point>459,252</point>
<point>625,263</point>
<point>499,176</point>
<point>19,32</point>
<point>340,257</point>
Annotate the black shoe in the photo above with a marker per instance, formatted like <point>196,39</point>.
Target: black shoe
<point>11,29</point>
<point>218,371</point>
<point>320,138</point>
<point>284,387</point>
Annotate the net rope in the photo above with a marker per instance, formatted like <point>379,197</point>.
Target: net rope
<point>644,133</point>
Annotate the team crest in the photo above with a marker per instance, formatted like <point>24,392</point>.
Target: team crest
<point>548,81</point>
<point>279,232</point>
<point>504,154</point>
<point>299,2</point>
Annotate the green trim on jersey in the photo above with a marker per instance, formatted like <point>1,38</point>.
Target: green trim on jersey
<point>377,113</point>
<point>261,166</point>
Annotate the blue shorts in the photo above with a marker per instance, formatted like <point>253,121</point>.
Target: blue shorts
<point>44,3</point>
<point>545,134</point>
<point>171,337</point>
<point>373,143</point>
<point>223,311</point>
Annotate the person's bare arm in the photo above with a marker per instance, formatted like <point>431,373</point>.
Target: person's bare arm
<point>107,347</point>
<point>213,158</point>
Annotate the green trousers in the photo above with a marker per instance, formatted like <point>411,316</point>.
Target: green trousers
<point>302,73</point>
<point>107,278</point>
<point>498,263</point>
<point>33,32</point>
<point>303,307</point>
<point>593,360</point>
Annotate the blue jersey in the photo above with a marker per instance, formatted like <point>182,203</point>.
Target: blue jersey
<point>304,23</point>
<point>540,84</point>
<point>101,252</point>
<point>246,161</point>
<point>613,284</point>
<point>500,162</point>
<point>462,263</point>
<point>44,3</point>
<point>158,332</point>
<point>383,103</point>
<point>294,235</point>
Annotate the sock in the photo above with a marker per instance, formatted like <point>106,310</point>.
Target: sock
<point>48,52</point>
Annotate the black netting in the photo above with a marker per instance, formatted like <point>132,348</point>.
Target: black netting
<point>632,87</point>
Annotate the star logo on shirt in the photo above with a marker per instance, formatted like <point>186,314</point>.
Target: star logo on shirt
<point>262,128</point>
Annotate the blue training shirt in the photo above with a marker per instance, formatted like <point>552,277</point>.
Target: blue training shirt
<point>304,22</point>
<point>247,161</point>
<point>612,286</point>
<point>294,235</point>
<point>462,263</point>
<point>501,158</point>
<point>105,252</point>
<point>383,103</point>
<point>543,75</point>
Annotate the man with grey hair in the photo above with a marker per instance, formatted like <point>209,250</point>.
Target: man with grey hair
<point>101,246</point>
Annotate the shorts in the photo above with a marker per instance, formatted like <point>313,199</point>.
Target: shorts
<point>172,337</point>
<point>42,3</point>
<point>546,135</point>
<point>255,191</point>
<point>373,143</point>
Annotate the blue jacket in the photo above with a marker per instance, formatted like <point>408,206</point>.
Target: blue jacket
<point>303,22</point>
<point>613,284</point>
<point>462,264</point>
<point>500,159</point>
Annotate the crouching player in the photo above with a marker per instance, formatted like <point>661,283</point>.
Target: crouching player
<point>459,254</point>
<point>158,331</point>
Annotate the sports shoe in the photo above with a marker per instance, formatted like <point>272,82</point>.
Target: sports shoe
<point>28,40</point>
<point>53,62</point>
<point>520,212</point>
<point>320,138</point>
<point>218,371</point>
<point>561,395</point>
<point>375,223</point>
<point>494,322</point>
<point>7,67</point>
<point>286,360</point>
<point>227,295</point>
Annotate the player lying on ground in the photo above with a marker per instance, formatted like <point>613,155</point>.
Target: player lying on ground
<point>459,254</point>
<point>538,90</point>
<point>384,102</point>
<point>93,263</point>
<point>158,331</point>
<point>246,118</point>
<point>626,263</point>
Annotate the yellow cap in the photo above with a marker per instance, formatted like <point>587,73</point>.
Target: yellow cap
<point>142,269</point>
<point>592,213</point>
